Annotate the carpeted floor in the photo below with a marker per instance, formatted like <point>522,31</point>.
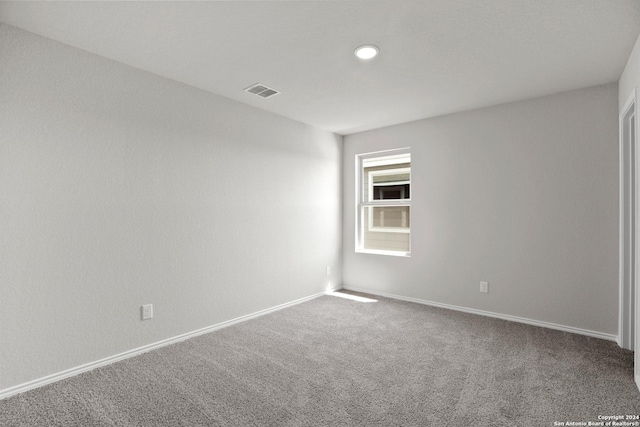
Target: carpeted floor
<point>337,362</point>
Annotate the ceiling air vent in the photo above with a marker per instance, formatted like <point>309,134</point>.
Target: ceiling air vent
<point>261,90</point>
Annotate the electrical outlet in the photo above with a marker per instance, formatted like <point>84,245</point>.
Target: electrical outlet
<point>328,271</point>
<point>147,311</point>
<point>484,287</point>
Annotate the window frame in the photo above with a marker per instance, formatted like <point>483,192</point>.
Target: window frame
<point>387,157</point>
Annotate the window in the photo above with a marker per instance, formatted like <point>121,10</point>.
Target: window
<point>384,202</point>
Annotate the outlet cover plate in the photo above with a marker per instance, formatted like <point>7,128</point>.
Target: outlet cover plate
<point>147,311</point>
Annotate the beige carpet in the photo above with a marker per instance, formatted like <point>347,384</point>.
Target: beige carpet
<point>337,362</point>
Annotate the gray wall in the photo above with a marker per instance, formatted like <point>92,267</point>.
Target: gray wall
<point>120,188</point>
<point>522,195</point>
<point>630,78</point>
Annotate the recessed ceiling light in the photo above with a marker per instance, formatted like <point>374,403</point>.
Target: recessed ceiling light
<point>366,51</point>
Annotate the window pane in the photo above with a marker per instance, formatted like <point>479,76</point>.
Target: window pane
<point>395,217</point>
<point>387,182</point>
<point>390,192</point>
<point>390,179</point>
<point>386,228</point>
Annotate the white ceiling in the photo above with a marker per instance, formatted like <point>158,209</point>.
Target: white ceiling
<point>437,56</point>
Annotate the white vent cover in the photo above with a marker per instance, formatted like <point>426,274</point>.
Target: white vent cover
<point>261,90</point>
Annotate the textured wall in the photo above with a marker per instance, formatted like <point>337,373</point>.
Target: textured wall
<point>120,188</point>
<point>522,195</point>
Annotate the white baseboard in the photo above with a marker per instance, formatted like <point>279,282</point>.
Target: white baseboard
<point>638,381</point>
<point>21,388</point>
<point>532,322</point>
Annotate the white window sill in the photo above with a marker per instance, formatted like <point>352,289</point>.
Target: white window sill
<point>388,253</point>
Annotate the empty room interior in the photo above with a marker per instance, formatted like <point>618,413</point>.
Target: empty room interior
<point>319,213</point>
